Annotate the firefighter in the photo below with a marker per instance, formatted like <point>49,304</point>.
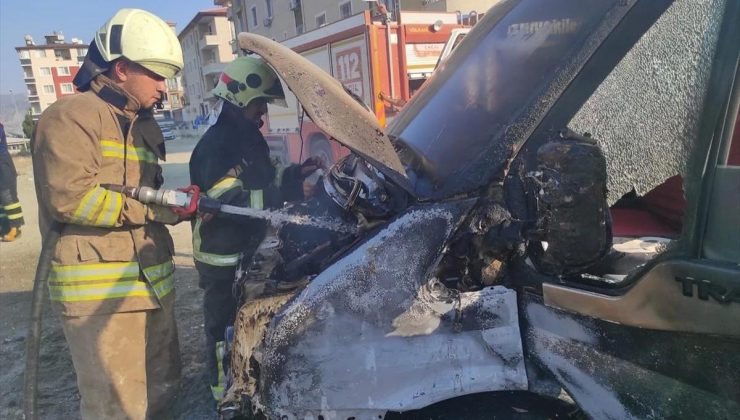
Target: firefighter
<point>11,213</point>
<point>112,274</point>
<point>232,164</point>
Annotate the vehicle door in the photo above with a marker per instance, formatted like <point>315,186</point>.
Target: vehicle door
<point>653,331</point>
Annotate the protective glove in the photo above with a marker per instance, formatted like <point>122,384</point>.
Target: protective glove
<point>161,214</point>
<point>311,165</point>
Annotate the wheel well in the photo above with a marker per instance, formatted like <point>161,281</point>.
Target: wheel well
<point>519,405</point>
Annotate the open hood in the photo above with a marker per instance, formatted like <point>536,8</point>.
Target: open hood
<point>329,106</point>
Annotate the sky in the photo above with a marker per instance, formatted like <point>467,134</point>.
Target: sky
<point>75,19</point>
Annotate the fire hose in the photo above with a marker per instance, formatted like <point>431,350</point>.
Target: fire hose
<point>185,201</point>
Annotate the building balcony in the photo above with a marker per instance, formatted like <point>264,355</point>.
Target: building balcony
<point>33,98</point>
<point>213,68</point>
<point>208,41</point>
<point>25,61</point>
<point>29,80</point>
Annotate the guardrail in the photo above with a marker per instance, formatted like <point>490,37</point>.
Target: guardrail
<point>17,145</point>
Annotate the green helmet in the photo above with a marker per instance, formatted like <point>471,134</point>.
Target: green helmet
<point>142,38</point>
<point>247,78</point>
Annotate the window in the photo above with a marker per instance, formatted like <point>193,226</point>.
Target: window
<point>63,71</point>
<point>295,6</point>
<point>24,54</point>
<point>27,73</point>
<point>254,16</point>
<point>651,201</point>
<point>268,7</point>
<point>345,10</point>
<point>62,54</point>
<point>45,71</point>
<point>81,52</point>
<point>38,53</point>
<point>321,19</point>
<point>67,88</point>
<point>48,88</point>
<point>242,23</point>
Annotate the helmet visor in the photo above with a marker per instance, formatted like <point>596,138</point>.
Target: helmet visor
<point>168,71</point>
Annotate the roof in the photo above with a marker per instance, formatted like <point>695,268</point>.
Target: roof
<point>215,11</point>
<point>50,46</point>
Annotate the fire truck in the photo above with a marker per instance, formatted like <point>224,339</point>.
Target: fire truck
<point>381,62</point>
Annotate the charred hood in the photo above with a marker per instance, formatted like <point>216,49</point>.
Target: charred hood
<point>329,105</point>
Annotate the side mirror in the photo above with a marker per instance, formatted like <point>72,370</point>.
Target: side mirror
<point>573,228</point>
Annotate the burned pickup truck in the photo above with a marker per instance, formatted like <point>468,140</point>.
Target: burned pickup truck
<point>554,215</point>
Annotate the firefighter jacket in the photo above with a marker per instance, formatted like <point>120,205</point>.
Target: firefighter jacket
<point>232,163</point>
<point>114,255</point>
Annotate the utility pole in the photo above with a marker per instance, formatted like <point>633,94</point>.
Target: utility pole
<point>15,105</point>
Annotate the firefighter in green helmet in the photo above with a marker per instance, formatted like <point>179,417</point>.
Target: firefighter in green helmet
<point>232,164</point>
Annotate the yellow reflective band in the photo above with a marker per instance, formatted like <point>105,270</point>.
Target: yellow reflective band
<point>225,184</point>
<point>164,286</point>
<point>15,216</point>
<point>13,206</point>
<point>255,199</point>
<point>156,272</point>
<point>94,272</point>
<point>88,282</point>
<point>210,259</point>
<point>111,210</point>
<point>100,291</point>
<point>161,277</point>
<point>114,149</point>
<point>218,390</point>
<point>107,205</point>
<point>87,205</point>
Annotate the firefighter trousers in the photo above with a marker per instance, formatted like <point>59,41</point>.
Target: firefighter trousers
<point>11,214</point>
<point>127,364</point>
<point>219,310</point>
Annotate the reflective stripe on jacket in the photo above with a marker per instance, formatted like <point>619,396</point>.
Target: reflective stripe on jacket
<point>109,258</point>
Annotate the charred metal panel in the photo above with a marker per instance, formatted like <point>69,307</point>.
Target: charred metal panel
<point>675,295</point>
<point>618,372</point>
<point>251,323</point>
<point>646,113</point>
<point>373,332</point>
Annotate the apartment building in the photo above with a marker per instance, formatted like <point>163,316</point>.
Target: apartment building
<point>282,20</point>
<point>48,69</point>
<point>172,102</point>
<point>207,48</point>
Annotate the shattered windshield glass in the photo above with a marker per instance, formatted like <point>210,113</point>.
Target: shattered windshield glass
<point>482,102</point>
<point>646,113</point>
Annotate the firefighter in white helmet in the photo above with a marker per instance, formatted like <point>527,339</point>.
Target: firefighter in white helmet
<point>112,272</point>
<point>232,164</point>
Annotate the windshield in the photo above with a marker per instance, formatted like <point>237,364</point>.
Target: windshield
<point>484,101</point>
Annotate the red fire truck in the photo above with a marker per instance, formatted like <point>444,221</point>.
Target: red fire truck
<point>357,51</point>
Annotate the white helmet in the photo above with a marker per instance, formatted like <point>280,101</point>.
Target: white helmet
<point>143,38</point>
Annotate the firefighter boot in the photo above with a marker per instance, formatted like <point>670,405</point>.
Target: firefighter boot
<point>12,235</point>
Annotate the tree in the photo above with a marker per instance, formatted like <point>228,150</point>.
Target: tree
<point>28,124</point>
